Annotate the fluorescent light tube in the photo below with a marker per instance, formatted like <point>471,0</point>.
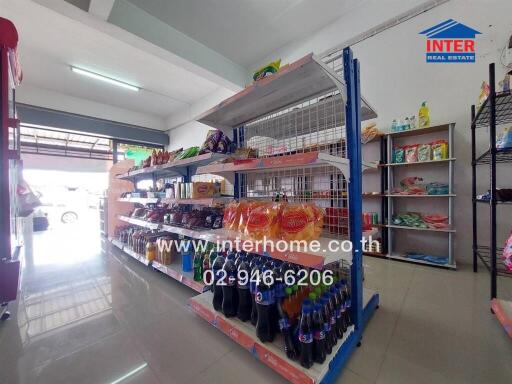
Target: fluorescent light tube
<point>104,78</point>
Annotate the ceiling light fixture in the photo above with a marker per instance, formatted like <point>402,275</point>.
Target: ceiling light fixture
<point>104,78</point>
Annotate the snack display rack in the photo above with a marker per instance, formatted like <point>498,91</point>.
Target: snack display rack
<point>495,111</point>
<point>10,165</point>
<point>304,123</point>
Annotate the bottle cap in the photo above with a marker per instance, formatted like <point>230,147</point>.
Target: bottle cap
<point>318,291</point>
<point>295,288</point>
<point>318,306</point>
<point>306,305</point>
<point>312,296</point>
<point>288,290</point>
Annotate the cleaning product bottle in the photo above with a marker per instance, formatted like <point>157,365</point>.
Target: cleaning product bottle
<point>424,116</point>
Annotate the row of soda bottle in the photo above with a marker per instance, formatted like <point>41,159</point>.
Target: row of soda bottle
<point>310,319</point>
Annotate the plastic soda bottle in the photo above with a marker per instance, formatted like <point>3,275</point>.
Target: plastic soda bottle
<point>340,323</point>
<point>229,289</point>
<point>285,327</point>
<point>265,303</point>
<point>244,293</point>
<point>326,316</point>
<point>306,335</point>
<point>255,270</point>
<point>347,301</point>
<point>217,289</point>
<point>198,267</point>
<point>319,349</point>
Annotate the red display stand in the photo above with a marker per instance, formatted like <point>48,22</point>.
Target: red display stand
<point>10,77</point>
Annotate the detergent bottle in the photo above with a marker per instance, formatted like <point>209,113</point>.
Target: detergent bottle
<point>424,116</point>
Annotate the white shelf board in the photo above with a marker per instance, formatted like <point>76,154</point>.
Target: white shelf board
<point>302,80</point>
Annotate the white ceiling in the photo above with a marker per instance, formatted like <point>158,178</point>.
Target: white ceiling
<point>247,30</point>
<point>51,42</point>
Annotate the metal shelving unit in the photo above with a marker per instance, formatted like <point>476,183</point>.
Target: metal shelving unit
<point>495,111</point>
<point>390,200</point>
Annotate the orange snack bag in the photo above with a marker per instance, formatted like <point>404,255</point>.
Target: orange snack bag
<point>231,216</point>
<point>297,222</point>
<point>246,207</point>
<point>319,214</point>
<point>264,221</point>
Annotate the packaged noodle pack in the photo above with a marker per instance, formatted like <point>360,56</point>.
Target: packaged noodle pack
<point>301,222</point>
<point>263,221</point>
<point>246,207</point>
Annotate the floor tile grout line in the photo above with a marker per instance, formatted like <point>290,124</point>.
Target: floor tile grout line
<point>415,268</point>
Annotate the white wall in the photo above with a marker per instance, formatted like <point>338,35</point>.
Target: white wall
<point>395,79</point>
<point>187,135</point>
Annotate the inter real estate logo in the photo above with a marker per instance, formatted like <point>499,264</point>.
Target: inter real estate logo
<point>450,42</point>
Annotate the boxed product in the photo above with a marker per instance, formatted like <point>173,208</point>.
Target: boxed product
<point>201,189</point>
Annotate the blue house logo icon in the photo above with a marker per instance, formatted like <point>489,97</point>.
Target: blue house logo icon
<point>450,42</point>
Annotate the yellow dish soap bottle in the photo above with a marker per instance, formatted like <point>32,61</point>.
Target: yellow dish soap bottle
<point>424,116</point>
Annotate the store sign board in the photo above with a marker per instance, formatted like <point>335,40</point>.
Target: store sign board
<point>450,42</point>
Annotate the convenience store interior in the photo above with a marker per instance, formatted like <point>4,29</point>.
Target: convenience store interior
<point>130,123</point>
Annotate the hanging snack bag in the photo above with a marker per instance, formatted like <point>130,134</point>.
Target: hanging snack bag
<point>211,143</point>
<point>424,152</point>
<point>398,155</point>
<point>507,253</point>
<point>411,153</point>
<point>319,215</point>
<point>297,222</point>
<point>246,208</point>
<point>264,221</point>
<point>224,144</point>
<point>231,216</point>
<point>439,150</point>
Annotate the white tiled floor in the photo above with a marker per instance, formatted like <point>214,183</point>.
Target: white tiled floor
<point>105,317</point>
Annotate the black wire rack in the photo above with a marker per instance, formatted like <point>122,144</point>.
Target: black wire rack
<point>484,254</point>
<point>495,111</point>
<point>503,111</point>
<point>502,156</point>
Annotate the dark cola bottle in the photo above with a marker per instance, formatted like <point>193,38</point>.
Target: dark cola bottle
<point>265,305</point>
<point>244,292</point>
<point>286,329</point>
<point>319,348</point>
<point>326,317</point>
<point>332,312</point>
<point>217,283</point>
<point>306,335</point>
<point>347,302</point>
<point>229,289</point>
<point>255,275</point>
<point>338,306</point>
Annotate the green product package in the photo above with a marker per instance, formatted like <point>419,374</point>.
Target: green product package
<point>424,152</point>
<point>398,155</point>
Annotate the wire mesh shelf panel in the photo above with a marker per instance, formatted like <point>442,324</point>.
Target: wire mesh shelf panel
<point>502,156</point>
<point>314,125</point>
<point>503,111</point>
<point>484,253</point>
<point>325,187</point>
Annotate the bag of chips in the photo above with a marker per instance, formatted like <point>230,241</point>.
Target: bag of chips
<point>507,253</point>
<point>439,150</point>
<point>264,220</point>
<point>231,216</point>
<point>398,155</point>
<point>211,143</point>
<point>297,222</point>
<point>246,208</point>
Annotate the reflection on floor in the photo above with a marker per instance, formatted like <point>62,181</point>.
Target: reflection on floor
<point>87,316</point>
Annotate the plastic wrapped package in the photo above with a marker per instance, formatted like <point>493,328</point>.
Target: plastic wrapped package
<point>424,152</point>
<point>297,222</point>
<point>439,150</point>
<point>411,153</point>
<point>246,207</point>
<point>398,155</point>
<point>264,220</point>
<point>507,253</point>
<point>212,141</point>
<point>231,216</point>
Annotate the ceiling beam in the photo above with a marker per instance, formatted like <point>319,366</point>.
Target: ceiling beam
<point>101,8</point>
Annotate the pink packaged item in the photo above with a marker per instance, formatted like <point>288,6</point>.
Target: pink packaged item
<point>507,253</point>
<point>411,153</point>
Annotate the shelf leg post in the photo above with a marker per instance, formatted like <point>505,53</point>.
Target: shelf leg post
<point>492,139</point>
<point>473,188</point>
<point>353,128</point>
